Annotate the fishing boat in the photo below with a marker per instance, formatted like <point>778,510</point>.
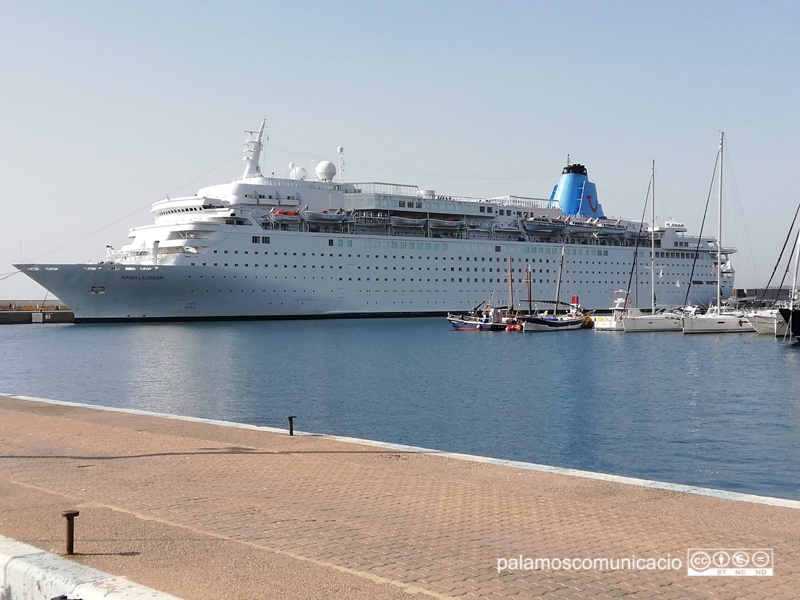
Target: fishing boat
<point>543,321</point>
<point>481,318</point>
<point>555,322</point>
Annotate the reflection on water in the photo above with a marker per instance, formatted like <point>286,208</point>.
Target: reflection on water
<point>717,410</point>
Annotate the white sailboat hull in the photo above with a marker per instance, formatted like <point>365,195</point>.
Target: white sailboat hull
<point>769,324</point>
<point>716,324</point>
<point>653,323</point>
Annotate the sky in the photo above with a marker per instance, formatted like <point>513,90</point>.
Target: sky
<point>108,106</point>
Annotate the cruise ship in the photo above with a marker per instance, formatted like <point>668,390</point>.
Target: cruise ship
<point>307,246</point>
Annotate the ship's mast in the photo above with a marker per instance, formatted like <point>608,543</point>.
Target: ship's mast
<point>252,151</point>
<point>794,281</point>
<point>653,239</point>
<point>510,286</point>
<point>558,284</point>
<point>528,276</point>
<point>719,229</point>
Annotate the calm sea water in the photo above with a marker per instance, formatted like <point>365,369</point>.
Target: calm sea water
<point>717,411</point>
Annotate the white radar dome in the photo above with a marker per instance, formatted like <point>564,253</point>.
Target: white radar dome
<point>326,171</point>
<point>340,149</point>
<point>297,172</point>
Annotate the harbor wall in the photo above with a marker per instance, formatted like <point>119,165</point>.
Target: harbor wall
<point>21,317</point>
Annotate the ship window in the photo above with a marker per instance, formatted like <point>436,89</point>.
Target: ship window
<point>402,203</point>
<point>256,239</point>
<point>330,242</point>
<point>496,248</point>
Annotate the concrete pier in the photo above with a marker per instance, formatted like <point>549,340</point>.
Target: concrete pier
<point>23,317</point>
<point>200,510</point>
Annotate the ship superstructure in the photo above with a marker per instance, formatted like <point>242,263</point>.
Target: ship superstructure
<point>267,247</point>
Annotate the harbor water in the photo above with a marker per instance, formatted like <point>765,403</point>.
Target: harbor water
<point>718,411</point>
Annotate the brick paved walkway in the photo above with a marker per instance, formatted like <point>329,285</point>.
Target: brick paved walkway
<point>202,511</point>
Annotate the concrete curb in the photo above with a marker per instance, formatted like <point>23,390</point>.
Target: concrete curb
<point>27,573</point>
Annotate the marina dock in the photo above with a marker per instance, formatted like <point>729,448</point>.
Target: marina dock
<point>206,510</point>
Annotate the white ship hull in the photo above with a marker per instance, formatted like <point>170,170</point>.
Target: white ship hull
<point>301,275</point>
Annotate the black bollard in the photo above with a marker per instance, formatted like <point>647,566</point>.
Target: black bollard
<point>291,424</point>
<point>70,516</point>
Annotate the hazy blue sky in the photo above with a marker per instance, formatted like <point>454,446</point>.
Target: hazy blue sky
<point>107,106</point>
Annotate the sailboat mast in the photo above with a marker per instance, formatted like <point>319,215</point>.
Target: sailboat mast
<point>794,282</point>
<point>653,240</point>
<point>528,268</point>
<point>558,284</point>
<point>510,286</point>
<point>719,229</point>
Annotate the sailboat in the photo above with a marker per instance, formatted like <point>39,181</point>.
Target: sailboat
<point>717,319</point>
<point>792,314</point>
<point>661,321</point>
<point>555,322</point>
<point>768,320</point>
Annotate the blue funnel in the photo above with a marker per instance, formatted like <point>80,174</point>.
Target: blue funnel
<point>575,194</point>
